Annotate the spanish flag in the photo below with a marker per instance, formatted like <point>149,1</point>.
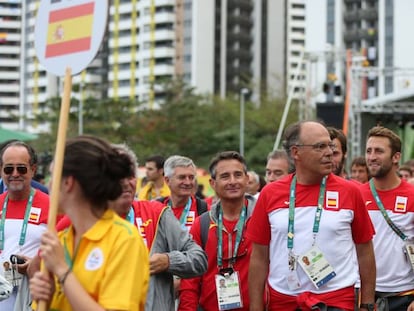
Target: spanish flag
<point>332,198</point>
<point>400,204</point>
<point>35,214</point>
<point>3,37</point>
<point>70,30</point>
<point>190,218</point>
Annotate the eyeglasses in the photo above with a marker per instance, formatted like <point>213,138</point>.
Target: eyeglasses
<point>319,146</point>
<point>8,170</point>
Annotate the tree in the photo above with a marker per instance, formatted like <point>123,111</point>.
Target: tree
<point>197,126</point>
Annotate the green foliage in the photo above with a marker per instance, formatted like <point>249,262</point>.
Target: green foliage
<point>189,124</point>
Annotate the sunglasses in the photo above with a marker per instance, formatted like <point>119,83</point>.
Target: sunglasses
<point>8,170</point>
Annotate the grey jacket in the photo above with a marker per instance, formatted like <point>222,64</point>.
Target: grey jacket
<point>187,260</point>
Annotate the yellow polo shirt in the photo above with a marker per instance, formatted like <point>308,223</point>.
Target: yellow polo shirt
<point>148,192</point>
<point>111,263</point>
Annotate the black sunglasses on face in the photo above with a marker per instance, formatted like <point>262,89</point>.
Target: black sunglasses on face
<point>8,170</point>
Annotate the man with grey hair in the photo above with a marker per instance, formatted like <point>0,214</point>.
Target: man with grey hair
<point>253,185</point>
<point>180,176</point>
<point>277,165</point>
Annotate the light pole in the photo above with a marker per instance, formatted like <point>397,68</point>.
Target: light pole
<point>80,109</point>
<point>243,93</point>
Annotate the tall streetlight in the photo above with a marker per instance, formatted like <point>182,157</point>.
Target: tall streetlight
<point>243,93</point>
<point>80,109</point>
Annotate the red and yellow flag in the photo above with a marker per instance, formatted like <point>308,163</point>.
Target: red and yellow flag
<point>70,30</point>
<point>3,36</point>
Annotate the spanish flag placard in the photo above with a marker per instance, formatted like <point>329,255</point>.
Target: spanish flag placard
<point>400,204</point>
<point>35,214</point>
<point>332,199</point>
<point>70,30</point>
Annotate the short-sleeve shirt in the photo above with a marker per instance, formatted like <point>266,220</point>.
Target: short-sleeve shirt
<point>111,263</point>
<point>344,223</point>
<point>394,272</point>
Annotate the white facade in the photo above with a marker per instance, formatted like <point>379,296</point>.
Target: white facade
<point>202,54</point>
<point>10,38</point>
<point>295,38</point>
<point>402,49</point>
<point>141,48</point>
<point>150,40</point>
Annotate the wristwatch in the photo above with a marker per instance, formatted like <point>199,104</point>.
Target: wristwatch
<point>368,306</point>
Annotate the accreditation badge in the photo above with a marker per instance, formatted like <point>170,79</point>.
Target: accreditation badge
<point>409,252</point>
<point>293,280</point>
<point>316,267</point>
<point>8,271</point>
<point>292,277</point>
<point>228,291</point>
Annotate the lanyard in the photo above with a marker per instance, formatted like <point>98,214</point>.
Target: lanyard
<point>25,220</point>
<point>68,259</point>
<point>131,216</point>
<point>239,227</point>
<point>184,214</point>
<point>384,213</point>
<point>318,213</point>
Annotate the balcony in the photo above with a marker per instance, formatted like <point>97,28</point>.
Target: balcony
<point>239,19</point>
<point>241,54</point>
<point>4,11</point>
<point>370,34</point>
<point>9,100</point>
<point>240,36</point>
<point>243,4</point>
<point>351,16</point>
<point>370,14</point>
<point>351,35</point>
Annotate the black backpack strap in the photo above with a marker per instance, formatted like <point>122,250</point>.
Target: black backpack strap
<point>160,199</point>
<point>204,228</point>
<point>201,206</point>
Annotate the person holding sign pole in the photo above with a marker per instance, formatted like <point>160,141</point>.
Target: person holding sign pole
<point>390,203</point>
<point>307,230</point>
<point>100,262</point>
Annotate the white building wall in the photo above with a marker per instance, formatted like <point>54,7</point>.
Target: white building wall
<point>10,35</point>
<point>403,45</point>
<point>276,45</point>
<point>295,39</point>
<point>202,59</point>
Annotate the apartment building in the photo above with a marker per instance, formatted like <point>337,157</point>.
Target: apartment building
<point>217,46</point>
<point>10,70</point>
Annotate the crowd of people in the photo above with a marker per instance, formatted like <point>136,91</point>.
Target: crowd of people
<point>309,235</point>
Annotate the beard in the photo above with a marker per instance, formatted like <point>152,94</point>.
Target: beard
<point>381,172</point>
<point>337,169</point>
<point>15,185</point>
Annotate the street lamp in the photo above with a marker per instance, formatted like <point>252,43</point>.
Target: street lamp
<point>243,93</point>
<point>80,109</point>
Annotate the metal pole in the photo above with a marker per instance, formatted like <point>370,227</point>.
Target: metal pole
<point>80,108</point>
<point>243,92</point>
<point>295,82</point>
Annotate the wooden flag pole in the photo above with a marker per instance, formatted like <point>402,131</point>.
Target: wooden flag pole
<point>58,161</point>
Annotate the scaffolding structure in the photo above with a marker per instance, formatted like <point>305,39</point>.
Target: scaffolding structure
<point>399,104</point>
<point>304,85</point>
